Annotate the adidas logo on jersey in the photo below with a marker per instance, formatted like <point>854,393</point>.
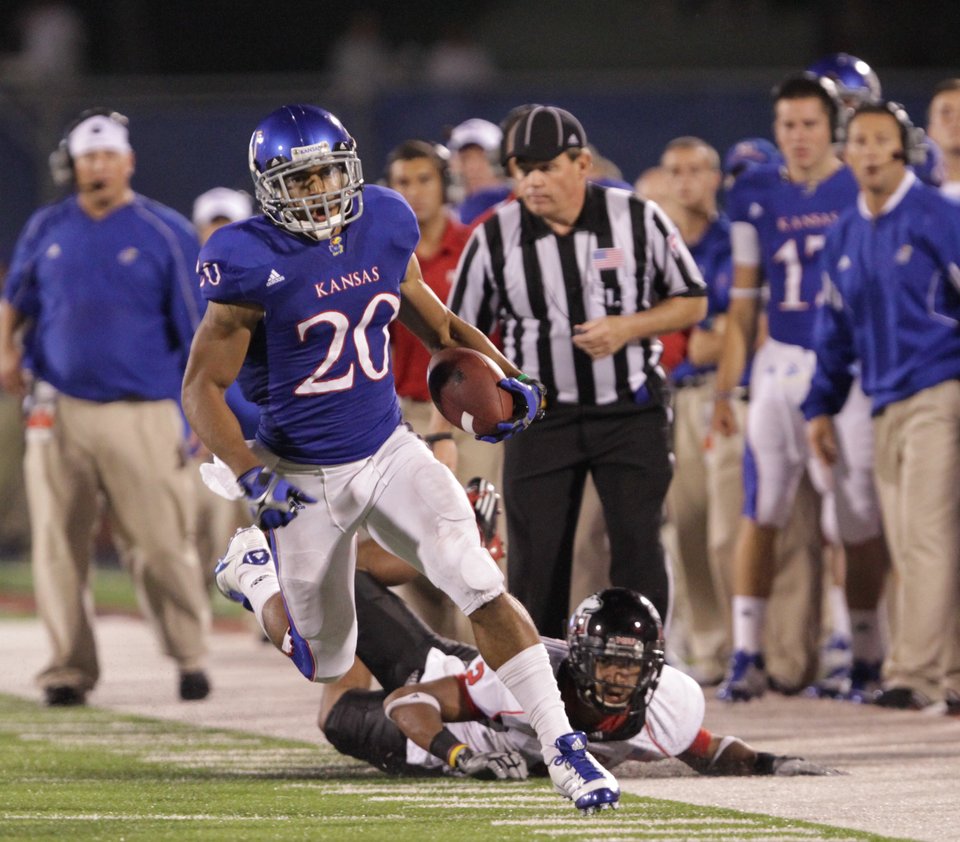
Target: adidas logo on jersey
<point>274,278</point>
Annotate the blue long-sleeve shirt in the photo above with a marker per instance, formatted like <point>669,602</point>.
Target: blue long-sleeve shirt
<point>891,300</point>
<point>115,301</point>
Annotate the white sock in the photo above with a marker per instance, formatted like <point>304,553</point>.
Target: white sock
<point>866,638</point>
<point>529,677</point>
<point>258,583</point>
<point>749,614</point>
<point>839,613</point>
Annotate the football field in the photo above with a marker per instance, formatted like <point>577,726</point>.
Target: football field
<point>83,773</point>
<point>249,763</point>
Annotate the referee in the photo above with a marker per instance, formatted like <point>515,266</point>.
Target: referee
<point>580,279</point>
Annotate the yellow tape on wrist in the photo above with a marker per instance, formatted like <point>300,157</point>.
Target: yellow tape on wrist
<point>454,753</point>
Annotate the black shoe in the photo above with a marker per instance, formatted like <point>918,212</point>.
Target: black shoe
<point>63,696</point>
<point>902,698</point>
<point>953,703</point>
<point>194,686</point>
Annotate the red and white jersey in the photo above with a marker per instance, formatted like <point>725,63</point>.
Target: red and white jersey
<point>674,716</point>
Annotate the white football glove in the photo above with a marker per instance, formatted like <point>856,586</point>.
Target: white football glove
<point>220,479</point>
<point>492,765</point>
<point>788,767</point>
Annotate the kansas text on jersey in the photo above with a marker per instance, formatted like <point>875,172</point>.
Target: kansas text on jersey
<point>781,226</point>
<point>319,367</point>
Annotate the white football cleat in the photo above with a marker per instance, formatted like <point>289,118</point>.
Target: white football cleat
<point>247,546</point>
<point>577,775</point>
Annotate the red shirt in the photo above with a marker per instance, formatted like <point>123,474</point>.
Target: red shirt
<point>410,358</point>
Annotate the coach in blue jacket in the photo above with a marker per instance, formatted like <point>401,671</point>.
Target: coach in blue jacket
<point>892,301</point>
<point>104,281</point>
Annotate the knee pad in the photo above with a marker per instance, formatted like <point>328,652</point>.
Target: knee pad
<point>462,568</point>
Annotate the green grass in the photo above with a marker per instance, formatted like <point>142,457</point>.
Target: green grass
<point>87,774</point>
<point>112,592</point>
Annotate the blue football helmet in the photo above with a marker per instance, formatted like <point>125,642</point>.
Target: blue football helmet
<point>289,142</point>
<point>855,80</point>
<point>746,154</point>
<point>928,161</point>
<point>621,625</point>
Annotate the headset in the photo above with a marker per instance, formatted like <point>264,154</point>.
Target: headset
<point>912,137</point>
<point>61,164</point>
<point>436,153</point>
<point>808,84</point>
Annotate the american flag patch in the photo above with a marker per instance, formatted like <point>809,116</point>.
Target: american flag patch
<point>611,258</point>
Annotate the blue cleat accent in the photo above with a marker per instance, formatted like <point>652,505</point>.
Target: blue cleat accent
<point>248,546</point>
<point>577,775</point>
<point>835,664</point>
<point>865,685</point>
<point>746,678</point>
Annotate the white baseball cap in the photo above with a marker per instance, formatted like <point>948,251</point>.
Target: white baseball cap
<point>98,132</point>
<point>221,202</point>
<point>476,132</point>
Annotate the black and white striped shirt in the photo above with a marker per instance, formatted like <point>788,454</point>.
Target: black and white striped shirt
<point>623,256</point>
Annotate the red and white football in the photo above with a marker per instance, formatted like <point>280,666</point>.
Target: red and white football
<point>463,385</point>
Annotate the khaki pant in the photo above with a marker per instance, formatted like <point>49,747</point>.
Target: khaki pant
<point>698,563</point>
<point>705,503</point>
<point>918,481</point>
<point>131,452</point>
<point>14,523</point>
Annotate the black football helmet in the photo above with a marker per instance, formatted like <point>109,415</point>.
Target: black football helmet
<point>615,623</point>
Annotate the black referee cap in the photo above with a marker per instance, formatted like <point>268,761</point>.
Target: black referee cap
<point>543,133</point>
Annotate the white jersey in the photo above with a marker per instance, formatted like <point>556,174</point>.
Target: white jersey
<point>674,716</point>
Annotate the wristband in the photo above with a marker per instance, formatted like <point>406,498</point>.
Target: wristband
<point>723,396</point>
<point>435,437</point>
<point>446,747</point>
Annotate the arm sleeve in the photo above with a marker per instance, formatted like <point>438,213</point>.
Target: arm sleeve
<point>833,345</point>
<point>19,287</point>
<point>674,718</point>
<point>186,303</point>
<point>744,238</point>
<point>744,244</point>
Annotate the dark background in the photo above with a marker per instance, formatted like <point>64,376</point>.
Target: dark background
<point>195,78</point>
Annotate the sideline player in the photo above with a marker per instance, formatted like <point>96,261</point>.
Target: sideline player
<point>441,708</point>
<point>943,126</point>
<point>693,170</point>
<point>892,301</point>
<point>301,300</point>
<point>779,219</point>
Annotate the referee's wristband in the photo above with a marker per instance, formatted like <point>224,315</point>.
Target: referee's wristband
<point>432,438</point>
<point>447,747</point>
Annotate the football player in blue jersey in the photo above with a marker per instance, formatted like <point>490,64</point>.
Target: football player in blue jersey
<point>704,536</point>
<point>892,288</point>
<point>779,217</point>
<point>300,302</point>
